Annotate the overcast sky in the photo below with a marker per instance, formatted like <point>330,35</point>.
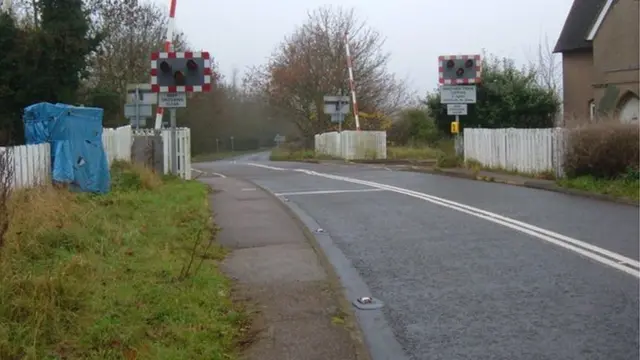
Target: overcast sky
<point>242,33</point>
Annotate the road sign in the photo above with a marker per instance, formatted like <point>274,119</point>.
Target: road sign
<point>279,139</point>
<point>180,72</point>
<point>336,105</point>
<point>456,109</point>
<point>460,69</point>
<point>145,95</point>
<point>458,94</point>
<point>337,118</point>
<point>144,110</point>
<point>172,100</point>
<point>455,127</point>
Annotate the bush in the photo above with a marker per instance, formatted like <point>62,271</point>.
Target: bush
<point>604,151</point>
<point>415,127</point>
<point>448,160</point>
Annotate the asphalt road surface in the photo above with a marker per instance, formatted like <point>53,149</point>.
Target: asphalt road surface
<point>474,270</point>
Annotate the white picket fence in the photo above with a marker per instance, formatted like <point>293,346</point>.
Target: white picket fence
<point>183,137</point>
<point>352,145</point>
<point>529,151</point>
<point>31,164</point>
<point>117,143</point>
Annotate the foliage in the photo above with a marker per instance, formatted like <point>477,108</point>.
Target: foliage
<point>131,30</point>
<point>412,152</point>
<point>603,151</point>
<point>415,127</point>
<point>311,63</point>
<point>231,110</point>
<point>507,97</point>
<point>448,160</point>
<point>108,276</point>
<point>56,49</point>
<point>627,187</point>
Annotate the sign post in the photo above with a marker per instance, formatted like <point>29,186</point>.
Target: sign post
<point>173,74</point>
<point>279,139</point>
<point>139,104</point>
<point>337,107</point>
<point>458,76</point>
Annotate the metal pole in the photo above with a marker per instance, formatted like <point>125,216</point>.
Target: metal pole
<point>217,145</point>
<point>457,138</point>
<point>137,103</point>
<point>232,147</point>
<point>174,143</point>
<point>340,116</point>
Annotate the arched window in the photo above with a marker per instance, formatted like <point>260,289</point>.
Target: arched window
<point>629,108</point>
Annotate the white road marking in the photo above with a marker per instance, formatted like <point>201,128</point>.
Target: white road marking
<point>322,192</point>
<point>593,252</point>
<point>204,172</point>
<point>267,167</point>
<point>249,189</point>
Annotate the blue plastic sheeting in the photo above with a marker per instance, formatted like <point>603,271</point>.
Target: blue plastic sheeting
<point>75,135</point>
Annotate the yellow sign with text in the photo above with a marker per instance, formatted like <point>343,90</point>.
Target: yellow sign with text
<point>455,127</point>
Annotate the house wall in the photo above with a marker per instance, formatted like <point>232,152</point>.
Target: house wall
<point>616,56</point>
<point>577,70</point>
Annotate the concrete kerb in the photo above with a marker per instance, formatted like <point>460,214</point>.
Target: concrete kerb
<point>528,184</point>
<point>381,343</point>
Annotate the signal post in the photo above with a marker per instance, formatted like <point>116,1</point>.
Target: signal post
<point>173,75</point>
<point>458,77</point>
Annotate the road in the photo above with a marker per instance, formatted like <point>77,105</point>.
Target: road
<point>473,270</point>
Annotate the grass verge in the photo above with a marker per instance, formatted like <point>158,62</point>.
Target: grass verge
<point>222,155</point>
<point>284,154</point>
<point>127,275</point>
<point>621,188</point>
<point>412,153</point>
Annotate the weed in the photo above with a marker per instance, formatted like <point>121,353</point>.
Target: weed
<point>412,153</point>
<point>130,274</point>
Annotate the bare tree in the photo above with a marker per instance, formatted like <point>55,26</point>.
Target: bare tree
<point>311,63</point>
<point>548,67</point>
<point>131,31</point>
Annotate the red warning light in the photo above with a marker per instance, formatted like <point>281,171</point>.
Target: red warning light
<point>192,65</point>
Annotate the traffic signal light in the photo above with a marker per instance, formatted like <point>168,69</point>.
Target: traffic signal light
<point>180,72</point>
<point>460,69</point>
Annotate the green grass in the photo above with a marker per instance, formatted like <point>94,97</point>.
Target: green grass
<point>621,188</point>
<point>412,153</point>
<point>222,155</point>
<point>284,154</point>
<point>444,147</point>
<point>127,275</point>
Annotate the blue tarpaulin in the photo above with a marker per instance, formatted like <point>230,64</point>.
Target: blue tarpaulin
<point>75,135</point>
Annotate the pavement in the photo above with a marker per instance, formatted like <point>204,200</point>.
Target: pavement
<point>464,269</point>
<point>280,277</point>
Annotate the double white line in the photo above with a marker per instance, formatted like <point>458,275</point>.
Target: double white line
<point>603,256</point>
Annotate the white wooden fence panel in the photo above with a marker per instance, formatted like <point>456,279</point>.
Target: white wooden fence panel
<point>352,145</point>
<point>523,150</point>
<point>30,164</point>
<point>117,143</point>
